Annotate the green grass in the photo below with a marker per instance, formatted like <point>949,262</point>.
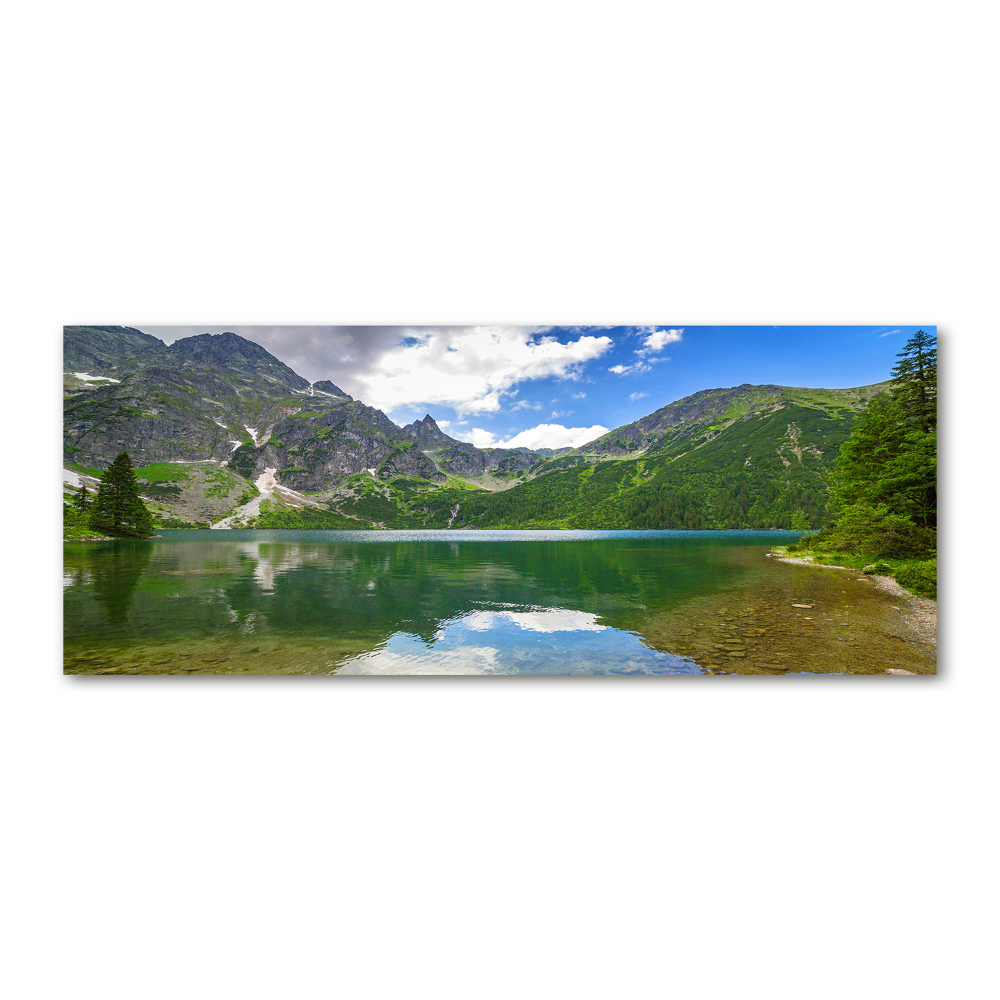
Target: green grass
<point>96,473</point>
<point>223,483</point>
<point>162,472</point>
<point>457,483</point>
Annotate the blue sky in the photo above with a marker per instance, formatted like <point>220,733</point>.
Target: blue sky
<point>559,386</point>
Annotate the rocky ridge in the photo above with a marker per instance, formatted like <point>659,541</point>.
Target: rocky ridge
<point>225,400</point>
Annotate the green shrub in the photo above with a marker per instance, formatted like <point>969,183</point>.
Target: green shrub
<point>880,567</point>
<point>920,577</point>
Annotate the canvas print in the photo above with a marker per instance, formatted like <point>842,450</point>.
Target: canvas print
<point>500,500</point>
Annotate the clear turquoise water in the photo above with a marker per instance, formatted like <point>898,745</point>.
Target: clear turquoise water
<point>454,602</point>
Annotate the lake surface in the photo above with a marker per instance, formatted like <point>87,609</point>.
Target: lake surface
<point>471,602</point>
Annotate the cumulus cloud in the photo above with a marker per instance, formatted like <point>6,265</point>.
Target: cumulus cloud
<point>633,396</point>
<point>478,436</point>
<point>467,368</point>
<point>541,436</point>
<point>656,340</point>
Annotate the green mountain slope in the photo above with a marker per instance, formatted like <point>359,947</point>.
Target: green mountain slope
<point>742,457</point>
<point>749,457</point>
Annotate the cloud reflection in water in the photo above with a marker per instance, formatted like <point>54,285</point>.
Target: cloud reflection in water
<point>535,641</point>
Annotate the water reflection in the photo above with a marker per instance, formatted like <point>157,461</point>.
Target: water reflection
<point>115,578</point>
<point>536,620</point>
<point>539,641</point>
<point>389,602</point>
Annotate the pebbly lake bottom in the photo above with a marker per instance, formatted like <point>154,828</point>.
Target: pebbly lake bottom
<point>473,602</point>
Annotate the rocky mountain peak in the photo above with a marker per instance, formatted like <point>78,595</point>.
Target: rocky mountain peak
<point>234,354</point>
<point>107,348</point>
<point>428,433</point>
<point>328,387</point>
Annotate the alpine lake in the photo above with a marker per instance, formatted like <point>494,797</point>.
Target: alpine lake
<point>472,602</point>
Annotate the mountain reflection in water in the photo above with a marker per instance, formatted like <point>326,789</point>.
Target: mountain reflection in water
<point>438,602</point>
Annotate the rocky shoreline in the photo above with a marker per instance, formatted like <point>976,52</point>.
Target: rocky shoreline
<point>920,620</point>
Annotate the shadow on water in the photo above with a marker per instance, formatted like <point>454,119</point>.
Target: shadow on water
<point>459,602</point>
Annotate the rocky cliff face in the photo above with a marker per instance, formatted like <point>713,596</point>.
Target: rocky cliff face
<point>333,439</point>
<point>107,350</point>
<point>459,458</point>
<point>225,398</point>
<point>428,435</point>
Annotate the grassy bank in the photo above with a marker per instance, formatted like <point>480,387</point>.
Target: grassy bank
<point>919,576</point>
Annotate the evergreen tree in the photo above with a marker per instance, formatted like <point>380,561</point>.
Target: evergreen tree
<point>916,380</point>
<point>873,443</point>
<point>885,479</point>
<point>82,499</point>
<point>118,509</point>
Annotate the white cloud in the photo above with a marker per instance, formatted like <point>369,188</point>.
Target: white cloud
<point>637,395</point>
<point>477,436</point>
<point>889,334</point>
<point>554,436</point>
<point>658,339</point>
<point>638,368</point>
<point>562,413</point>
<point>468,368</point>
<point>443,423</point>
<point>579,395</point>
<point>541,436</point>
<point>523,404</point>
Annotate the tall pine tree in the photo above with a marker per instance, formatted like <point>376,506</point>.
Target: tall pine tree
<point>885,480</point>
<point>916,381</point>
<point>118,510</point>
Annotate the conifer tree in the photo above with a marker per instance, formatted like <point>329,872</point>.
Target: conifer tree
<point>82,499</point>
<point>885,479</point>
<point>916,380</point>
<point>118,509</point>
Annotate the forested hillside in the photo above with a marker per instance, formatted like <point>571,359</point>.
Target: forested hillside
<point>884,486</point>
<point>748,456</point>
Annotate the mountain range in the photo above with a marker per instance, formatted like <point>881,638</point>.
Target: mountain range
<point>205,419</point>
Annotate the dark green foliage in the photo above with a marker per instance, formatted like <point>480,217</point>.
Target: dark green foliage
<point>118,509</point>
<point>800,521</point>
<point>82,498</point>
<point>916,380</point>
<point>76,525</point>
<point>885,483</point>
<point>881,567</point>
<point>244,460</point>
<point>246,496</point>
<point>920,577</point>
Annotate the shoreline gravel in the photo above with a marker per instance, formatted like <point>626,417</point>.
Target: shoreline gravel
<point>920,620</point>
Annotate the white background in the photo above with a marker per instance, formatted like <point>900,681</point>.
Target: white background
<point>511,163</point>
